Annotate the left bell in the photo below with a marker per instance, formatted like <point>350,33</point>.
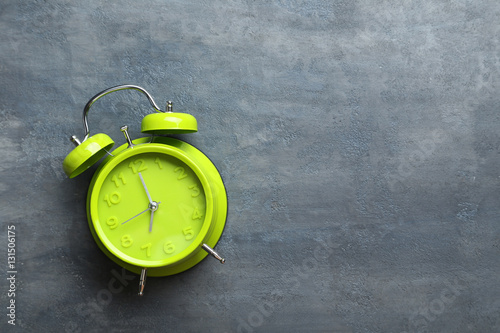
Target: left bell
<point>86,154</point>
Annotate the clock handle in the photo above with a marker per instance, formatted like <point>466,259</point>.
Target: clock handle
<point>113,89</point>
<point>213,253</point>
<point>142,281</point>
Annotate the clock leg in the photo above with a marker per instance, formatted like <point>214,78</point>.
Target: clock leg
<point>142,281</point>
<point>213,253</point>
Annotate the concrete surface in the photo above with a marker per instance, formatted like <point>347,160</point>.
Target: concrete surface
<point>358,141</point>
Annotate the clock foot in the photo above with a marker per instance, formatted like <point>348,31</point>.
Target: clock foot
<point>213,253</point>
<point>142,281</point>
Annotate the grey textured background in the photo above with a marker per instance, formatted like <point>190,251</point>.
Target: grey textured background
<point>358,142</point>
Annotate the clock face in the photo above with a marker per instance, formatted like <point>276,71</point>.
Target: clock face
<point>151,206</point>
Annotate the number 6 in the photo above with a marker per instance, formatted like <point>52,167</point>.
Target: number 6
<point>169,248</point>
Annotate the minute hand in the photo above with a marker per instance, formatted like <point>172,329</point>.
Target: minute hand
<point>153,206</point>
<point>146,189</point>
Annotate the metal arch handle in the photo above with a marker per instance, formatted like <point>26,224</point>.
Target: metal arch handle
<point>108,91</point>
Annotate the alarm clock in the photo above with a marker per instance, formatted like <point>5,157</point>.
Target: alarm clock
<point>156,205</point>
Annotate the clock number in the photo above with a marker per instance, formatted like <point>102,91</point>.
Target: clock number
<point>169,248</point>
<point>115,179</point>
<point>142,165</point>
<point>147,247</point>
<point>195,189</point>
<point>127,241</point>
<point>196,214</point>
<point>112,222</point>
<point>158,161</point>
<point>182,173</point>
<point>188,233</point>
<point>113,199</point>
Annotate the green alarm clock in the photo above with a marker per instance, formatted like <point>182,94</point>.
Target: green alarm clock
<point>155,205</point>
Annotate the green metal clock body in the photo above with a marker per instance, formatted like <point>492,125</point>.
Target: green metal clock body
<point>190,206</point>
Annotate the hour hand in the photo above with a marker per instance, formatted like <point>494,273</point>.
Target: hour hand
<point>153,207</point>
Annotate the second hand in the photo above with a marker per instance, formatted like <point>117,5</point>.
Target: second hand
<point>135,216</point>
<point>149,208</point>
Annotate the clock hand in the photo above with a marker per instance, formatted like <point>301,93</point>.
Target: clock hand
<point>152,207</point>
<point>147,192</point>
<point>136,215</point>
<point>151,221</point>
